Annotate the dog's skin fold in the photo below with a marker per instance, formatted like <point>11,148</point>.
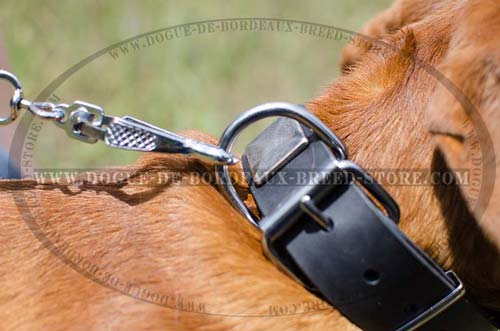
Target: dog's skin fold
<point>187,241</point>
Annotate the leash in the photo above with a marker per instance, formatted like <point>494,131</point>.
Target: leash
<point>88,123</point>
<point>335,231</point>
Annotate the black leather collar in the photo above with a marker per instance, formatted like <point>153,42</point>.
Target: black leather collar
<point>322,224</point>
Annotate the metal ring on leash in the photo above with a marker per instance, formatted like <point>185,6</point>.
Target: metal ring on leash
<point>296,112</point>
<point>16,97</point>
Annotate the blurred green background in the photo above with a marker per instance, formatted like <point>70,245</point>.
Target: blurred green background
<point>201,82</point>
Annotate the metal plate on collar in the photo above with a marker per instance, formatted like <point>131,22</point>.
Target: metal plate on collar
<point>274,147</point>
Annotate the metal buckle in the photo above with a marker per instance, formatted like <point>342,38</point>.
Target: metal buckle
<point>368,183</point>
<point>282,109</point>
<point>439,307</point>
<point>306,202</point>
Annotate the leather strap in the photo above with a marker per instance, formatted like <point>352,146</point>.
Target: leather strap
<point>363,264</point>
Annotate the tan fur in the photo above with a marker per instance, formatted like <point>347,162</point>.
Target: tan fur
<point>186,239</point>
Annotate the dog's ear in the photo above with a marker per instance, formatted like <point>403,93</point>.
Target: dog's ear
<point>401,14</point>
<point>464,111</point>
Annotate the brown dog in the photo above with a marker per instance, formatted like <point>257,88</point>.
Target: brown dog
<point>186,241</point>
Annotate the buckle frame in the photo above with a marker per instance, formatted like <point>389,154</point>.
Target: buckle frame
<point>373,187</point>
<point>308,206</point>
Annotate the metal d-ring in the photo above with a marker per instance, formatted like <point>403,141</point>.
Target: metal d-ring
<point>296,112</point>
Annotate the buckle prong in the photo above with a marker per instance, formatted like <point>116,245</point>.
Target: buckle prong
<point>308,206</point>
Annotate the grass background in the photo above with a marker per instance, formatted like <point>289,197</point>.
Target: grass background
<point>201,82</point>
